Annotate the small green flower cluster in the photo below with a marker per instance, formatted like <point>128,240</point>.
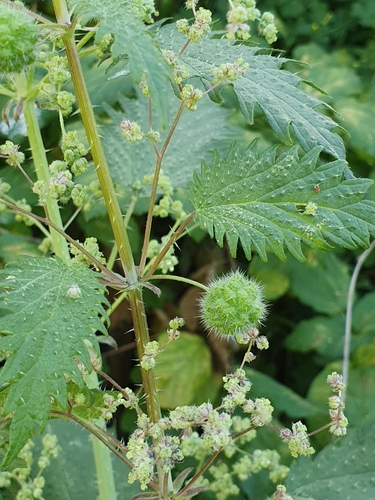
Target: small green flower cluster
<point>11,153</point>
<point>61,185</point>
<point>152,349</point>
<point>297,440</point>
<point>169,261</point>
<point>179,70</point>
<point>228,72</point>
<point>336,405</point>
<point>248,464</point>
<point>18,40</point>
<point>190,96</point>
<point>131,131</point>
<point>50,87</point>
<point>103,47</point>
<point>281,494</point>
<point>91,245</point>
<point>144,9</point>
<point>174,326</point>
<point>200,26</point>
<point>31,488</point>
<point>243,11</point>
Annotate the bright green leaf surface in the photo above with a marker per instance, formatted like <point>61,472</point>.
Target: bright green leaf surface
<point>45,330</point>
<point>184,372</point>
<point>287,108</point>
<point>260,201</point>
<point>131,38</point>
<point>342,471</point>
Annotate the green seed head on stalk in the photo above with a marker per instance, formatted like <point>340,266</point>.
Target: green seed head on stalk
<point>232,305</point>
<point>18,39</point>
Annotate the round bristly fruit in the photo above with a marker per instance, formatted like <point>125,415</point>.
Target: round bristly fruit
<point>18,38</point>
<point>232,305</point>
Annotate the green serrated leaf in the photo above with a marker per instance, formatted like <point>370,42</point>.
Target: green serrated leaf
<point>286,107</point>
<point>131,38</point>
<point>45,328</point>
<point>262,201</point>
<point>344,469</point>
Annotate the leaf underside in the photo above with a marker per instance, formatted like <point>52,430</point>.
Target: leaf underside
<point>260,200</point>
<point>288,109</point>
<point>44,329</point>
<point>133,39</point>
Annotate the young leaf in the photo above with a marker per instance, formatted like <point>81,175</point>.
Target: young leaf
<point>133,39</point>
<point>263,201</point>
<point>264,83</point>
<point>51,310</point>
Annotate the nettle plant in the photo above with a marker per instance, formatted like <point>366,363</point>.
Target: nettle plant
<point>55,310</point>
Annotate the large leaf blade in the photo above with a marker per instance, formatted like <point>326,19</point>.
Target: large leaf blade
<point>287,108</point>
<point>45,329</point>
<point>263,202</point>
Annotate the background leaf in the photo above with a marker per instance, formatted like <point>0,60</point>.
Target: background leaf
<point>71,476</point>
<point>196,136</point>
<point>133,39</point>
<point>259,200</point>
<point>45,329</point>
<point>184,372</point>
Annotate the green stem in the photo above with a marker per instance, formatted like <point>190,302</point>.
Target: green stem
<point>114,212</point>
<point>60,246</point>
<point>102,456</point>
<point>169,244</point>
<point>154,188</point>
<point>177,278</point>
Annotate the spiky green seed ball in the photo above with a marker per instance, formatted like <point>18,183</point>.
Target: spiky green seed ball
<point>232,305</point>
<point>18,37</point>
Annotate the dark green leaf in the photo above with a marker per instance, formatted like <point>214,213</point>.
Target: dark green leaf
<point>260,200</point>
<point>71,476</point>
<point>45,329</point>
<point>321,334</point>
<point>282,398</point>
<point>184,372</point>
<point>322,282</point>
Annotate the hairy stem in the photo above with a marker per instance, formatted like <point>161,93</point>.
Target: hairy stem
<point>59,244</point>
<point>114,212</point>
<point>154,188</point>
